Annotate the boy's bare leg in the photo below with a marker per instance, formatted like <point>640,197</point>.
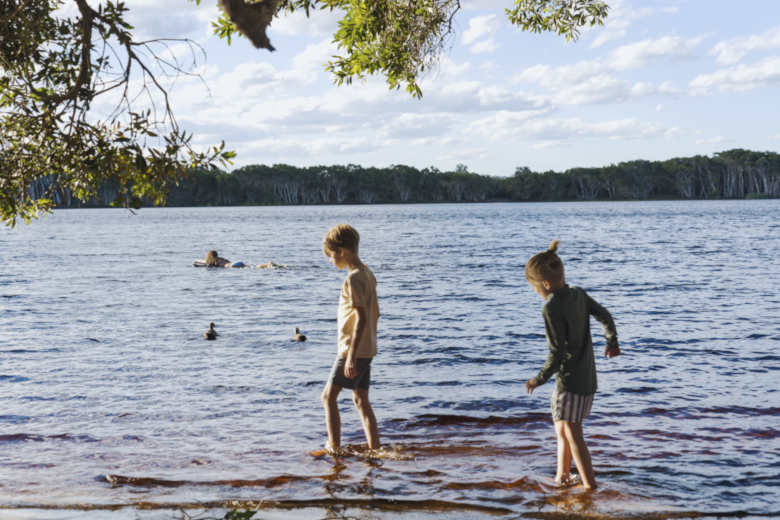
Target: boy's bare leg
<point>330,398</point>
<point>564,453</point>
<point>580,453</point>
<point>360,397</point>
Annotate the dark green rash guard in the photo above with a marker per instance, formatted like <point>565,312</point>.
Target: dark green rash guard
<point>567,323</point>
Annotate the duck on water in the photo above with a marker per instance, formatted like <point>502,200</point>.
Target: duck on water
<point>211,333</point>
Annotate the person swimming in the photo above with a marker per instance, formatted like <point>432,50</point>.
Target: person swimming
<point>214,260</point>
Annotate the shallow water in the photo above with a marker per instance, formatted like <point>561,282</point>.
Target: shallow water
<point>110,396</point>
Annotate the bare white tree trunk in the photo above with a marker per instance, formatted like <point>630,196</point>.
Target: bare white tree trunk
<point>325,192</point>
<point>706,182</point>
<point>366,196</point>
<point>456,190</point>
<point>643,185</point>
<point>341,191</point>
<point>587,187</point>
<point>685,184</point>
<point>286,190</point>
<point>610,186</point>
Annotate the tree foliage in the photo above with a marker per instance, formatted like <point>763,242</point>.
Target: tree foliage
<point>52,71</point>
<point>403,40</point>
<point>55,71</point>
<point>734,174</point>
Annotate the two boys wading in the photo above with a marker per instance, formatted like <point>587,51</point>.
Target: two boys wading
<point>567,323</point>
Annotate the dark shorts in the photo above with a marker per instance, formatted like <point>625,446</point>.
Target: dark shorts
<point>569,407</point>
<point>362,380</point>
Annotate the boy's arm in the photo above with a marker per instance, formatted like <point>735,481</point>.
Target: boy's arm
<point>356,291</point>
<point>610,331</point>
<point>361,318</point>
<point>556,339</point>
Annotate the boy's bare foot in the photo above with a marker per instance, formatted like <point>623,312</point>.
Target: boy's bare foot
<point>331,448</point>
<point>572,480</point>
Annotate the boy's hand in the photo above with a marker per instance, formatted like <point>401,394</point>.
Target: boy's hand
<point>350,368</point>
<point>530,385</point>
<point>612,352</point>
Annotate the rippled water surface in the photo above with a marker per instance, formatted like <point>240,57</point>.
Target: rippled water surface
<point>109,395</point>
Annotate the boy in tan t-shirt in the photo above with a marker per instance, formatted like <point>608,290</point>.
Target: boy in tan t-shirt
<point>357,319</point>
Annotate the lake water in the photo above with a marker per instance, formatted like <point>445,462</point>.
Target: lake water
<point>109,396</point>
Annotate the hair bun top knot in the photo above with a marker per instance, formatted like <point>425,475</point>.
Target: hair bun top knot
<point>545,266</point>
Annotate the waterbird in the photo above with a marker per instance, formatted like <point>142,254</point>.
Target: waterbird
<point>298,336</point>
<point>211,333</point>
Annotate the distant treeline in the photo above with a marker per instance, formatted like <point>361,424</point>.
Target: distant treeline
<point>735,174</point>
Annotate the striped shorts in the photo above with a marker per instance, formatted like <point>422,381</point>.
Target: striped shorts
<point>570,407</point>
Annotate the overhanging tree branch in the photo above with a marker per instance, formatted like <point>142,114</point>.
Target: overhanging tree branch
<point>50,75</point>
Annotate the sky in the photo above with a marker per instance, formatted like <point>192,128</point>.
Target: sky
<point>660,79</point>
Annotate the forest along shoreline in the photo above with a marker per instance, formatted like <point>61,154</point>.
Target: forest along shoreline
<point>734,174</point>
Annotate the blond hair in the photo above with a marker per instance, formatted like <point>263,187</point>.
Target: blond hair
<point>341,236</point>
<point>212,258</point>
<point>545,266</point>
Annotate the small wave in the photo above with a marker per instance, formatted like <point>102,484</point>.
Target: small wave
<point>524,484</point>
<point>434,420</point>
<point>31,437</point>
<point>13,379</point>
<point>637,390</point>
<point>151,482</point>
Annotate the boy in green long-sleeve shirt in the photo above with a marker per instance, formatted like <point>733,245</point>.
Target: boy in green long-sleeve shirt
<point>567,324</point>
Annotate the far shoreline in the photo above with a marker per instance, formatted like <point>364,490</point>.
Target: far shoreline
<point>421,203</point>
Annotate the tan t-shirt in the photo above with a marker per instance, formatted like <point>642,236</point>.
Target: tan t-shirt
<point>359,290</point>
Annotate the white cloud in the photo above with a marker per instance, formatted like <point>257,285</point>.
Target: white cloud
<point>480,34</point>
<point>560,77</point>
<point>497,97</point>
<point>315,56</point>
<point>545,145</point>
<point>257,107</point>
<point>659,108</point>
<point>739,78</point>
<point>320,21</point>
<point>774,137</point>
<point>479,26</point>
<point>407,126</point>
<point>644,53</point>
<point>461,155</point>
<point>605,89</point>
<point>251,81</point>
<point>714,140</point>
<point>734,49</point>
<point>627,57</point>
<point>488,45</point>
<point>621,16</point>
<point>325,146</point>
<point>170,18</point>
<point>510,126</point>
<point>445,141</point>
<point>588,82</point>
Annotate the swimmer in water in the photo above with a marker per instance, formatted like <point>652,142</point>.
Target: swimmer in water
<point>214,260</point>
<point>567,322</point>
